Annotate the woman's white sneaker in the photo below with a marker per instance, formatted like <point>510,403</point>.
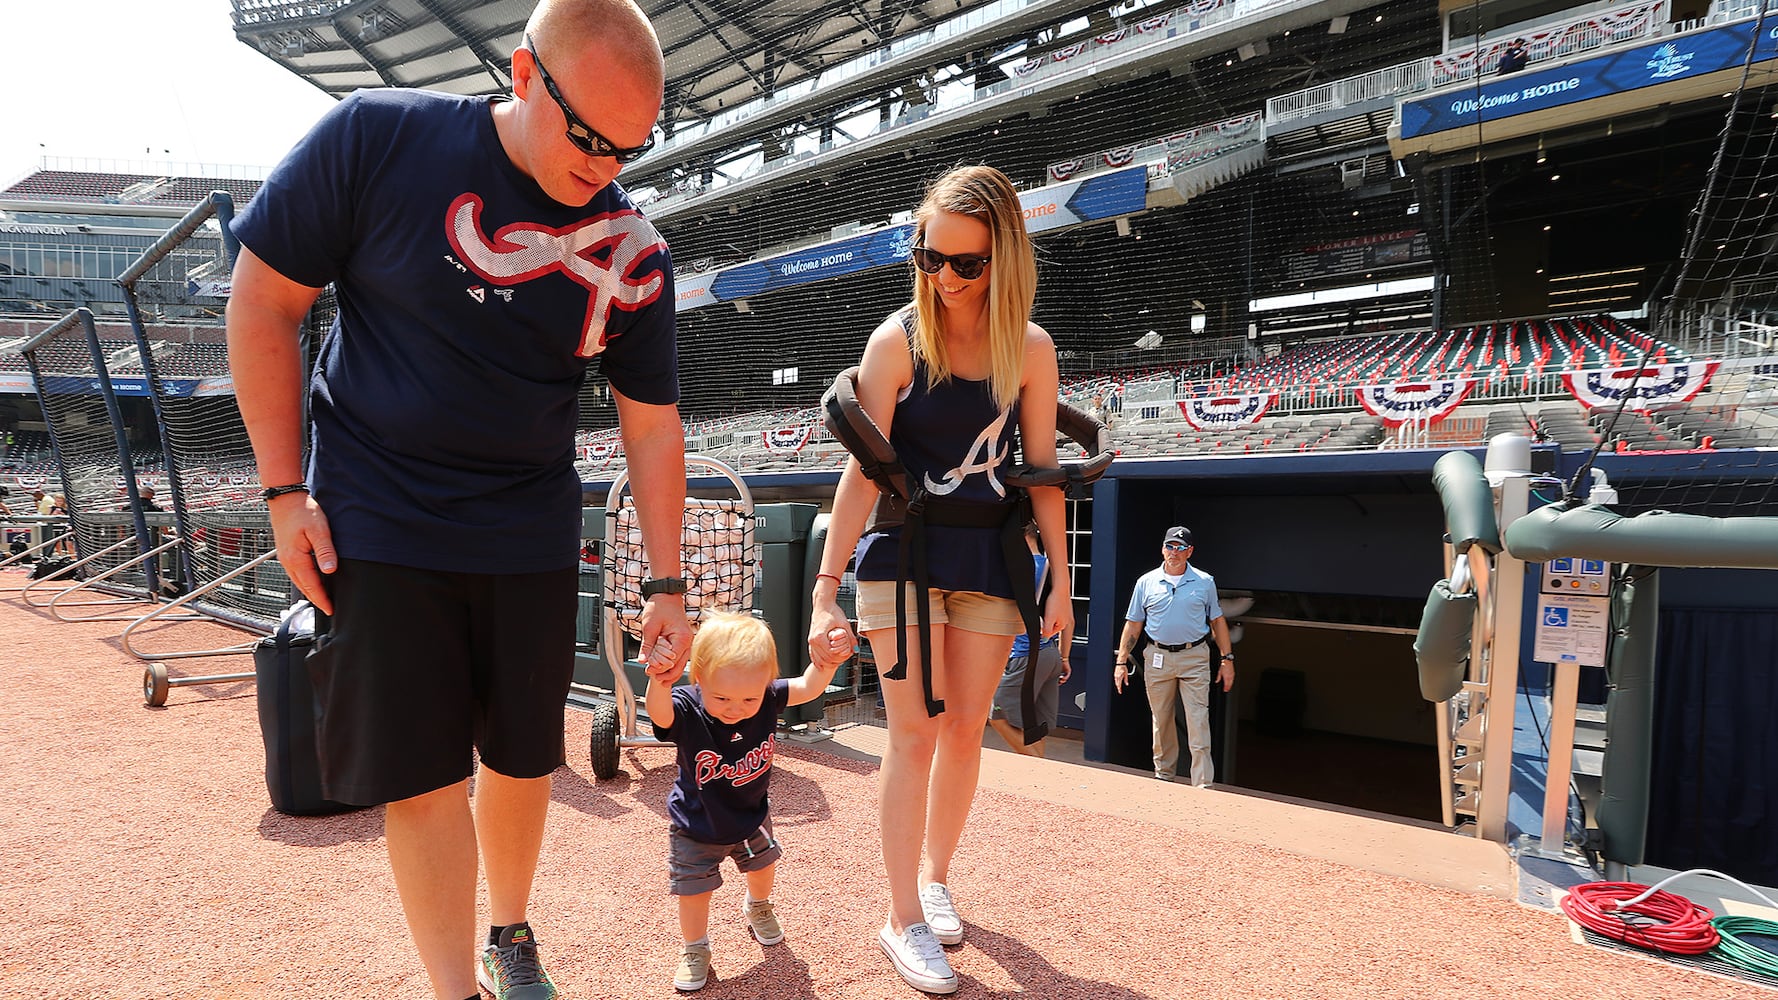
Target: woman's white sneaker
<point>941,914</point>
<point>919,958</point>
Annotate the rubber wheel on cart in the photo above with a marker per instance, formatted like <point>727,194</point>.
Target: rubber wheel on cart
<point>154,684</point>
<point>604,748</point>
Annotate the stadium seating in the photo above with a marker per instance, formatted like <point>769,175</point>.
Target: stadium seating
<point>1315,407</point>
<point>74,185</point>
<point>108,188</point>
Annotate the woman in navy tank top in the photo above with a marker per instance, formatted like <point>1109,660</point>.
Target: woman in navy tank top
<point>949,379</point>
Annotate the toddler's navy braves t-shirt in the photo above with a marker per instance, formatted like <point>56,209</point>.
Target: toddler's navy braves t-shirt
<point>724,770</point>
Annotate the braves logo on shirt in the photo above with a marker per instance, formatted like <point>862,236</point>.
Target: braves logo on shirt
<point>753,765</point>
<point>522,251</point>
<point>984,456</point>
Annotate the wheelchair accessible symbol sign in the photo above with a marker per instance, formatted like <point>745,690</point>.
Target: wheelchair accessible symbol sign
<point>1571,627</point>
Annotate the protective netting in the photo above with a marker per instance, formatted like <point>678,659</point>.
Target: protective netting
<point>1721,302</point>
<point>210,474</point>
<point>719,554</point>
<point>1239,250</point>
<point>1136,134</point>
<point>71,376</point>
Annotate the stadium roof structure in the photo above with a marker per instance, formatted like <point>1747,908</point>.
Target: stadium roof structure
<point>720,53</point>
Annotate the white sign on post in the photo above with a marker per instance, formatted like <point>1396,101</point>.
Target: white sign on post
<point>1573,612</point>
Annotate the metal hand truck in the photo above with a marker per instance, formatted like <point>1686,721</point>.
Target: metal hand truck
<point>719,552</point>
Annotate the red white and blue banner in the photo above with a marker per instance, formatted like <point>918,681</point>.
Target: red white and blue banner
<point>1647,387</point>
<point>1068,52</point>
<point>791,439</point>
<point>1067,168</point>
<point>1415,402</point>
<point>1221,413</point>
<point>599,451</point>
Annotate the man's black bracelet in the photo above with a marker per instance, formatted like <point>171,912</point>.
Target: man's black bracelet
<point>274,492</point>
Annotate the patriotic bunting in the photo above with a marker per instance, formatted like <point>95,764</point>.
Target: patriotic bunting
<point>1067,168</point>
<point>791,439</point>
<point>1424,402</point>
<point>1068,52</point>
<point>599,451</point>
<point>1155,23</point>
<point>1556,41</point>
<point>1221,413</point>
<point>1647,387</point>
<point>1112,37</point>
<point>1120,156</point>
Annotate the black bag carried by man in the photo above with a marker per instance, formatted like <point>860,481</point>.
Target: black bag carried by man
<point>288,713</point>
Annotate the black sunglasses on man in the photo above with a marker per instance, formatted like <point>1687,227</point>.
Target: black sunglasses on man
<point>584,136</point>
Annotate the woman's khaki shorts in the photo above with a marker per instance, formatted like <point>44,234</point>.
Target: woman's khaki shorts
<point>970,610</point>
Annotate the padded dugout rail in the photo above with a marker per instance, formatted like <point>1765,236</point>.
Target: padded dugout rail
<point>1657,538</point>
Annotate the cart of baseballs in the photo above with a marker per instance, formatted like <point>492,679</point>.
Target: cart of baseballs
<point>720,559</point>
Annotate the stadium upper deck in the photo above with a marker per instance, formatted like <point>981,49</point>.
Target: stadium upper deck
<point>1211,181</point>
<point>69,227</point>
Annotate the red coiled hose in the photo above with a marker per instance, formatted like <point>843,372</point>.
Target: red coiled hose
<point>1662,922</point>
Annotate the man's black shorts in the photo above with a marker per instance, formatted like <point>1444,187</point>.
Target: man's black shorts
<point>421,668</point>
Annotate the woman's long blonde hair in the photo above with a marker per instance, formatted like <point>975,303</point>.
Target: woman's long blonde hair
<point>985,194</point>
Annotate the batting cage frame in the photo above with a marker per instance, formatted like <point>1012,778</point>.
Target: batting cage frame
<point>69,372</point>
<point>226,555</point>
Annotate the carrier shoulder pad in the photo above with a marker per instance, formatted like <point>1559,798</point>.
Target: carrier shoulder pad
<point>846,420</point>
<point>1093,437</point>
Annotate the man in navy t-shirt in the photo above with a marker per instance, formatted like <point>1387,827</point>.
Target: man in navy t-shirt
<point>482,257</point>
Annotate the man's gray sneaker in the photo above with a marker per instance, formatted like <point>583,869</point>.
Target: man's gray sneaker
<point>510,969</point>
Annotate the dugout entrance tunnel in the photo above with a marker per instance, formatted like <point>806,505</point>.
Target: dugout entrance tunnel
<point>1334,552</point>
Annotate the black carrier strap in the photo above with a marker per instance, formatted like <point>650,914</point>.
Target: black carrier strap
<point>911,567</point>
<point>908,505</point>
<point>1024,592</point>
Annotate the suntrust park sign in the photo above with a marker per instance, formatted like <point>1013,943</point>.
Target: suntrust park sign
<point>1652,64</point>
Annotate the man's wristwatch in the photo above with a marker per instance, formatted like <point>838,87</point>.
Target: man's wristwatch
<point>663,585</point>
<point>274,492</point>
